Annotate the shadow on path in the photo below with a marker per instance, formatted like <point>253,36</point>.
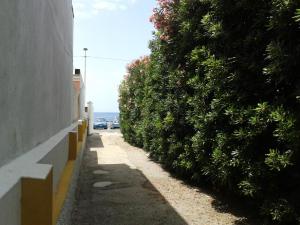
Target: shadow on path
<point>130,199</point>
<point>94,141</point>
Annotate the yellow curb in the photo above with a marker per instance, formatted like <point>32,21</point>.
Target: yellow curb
<point>62,189</point>
<point>37,200</point>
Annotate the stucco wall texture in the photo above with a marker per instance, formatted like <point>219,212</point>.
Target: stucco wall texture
<point>36,62</point>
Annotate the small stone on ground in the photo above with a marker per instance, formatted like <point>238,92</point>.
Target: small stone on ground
<point>102,184</point>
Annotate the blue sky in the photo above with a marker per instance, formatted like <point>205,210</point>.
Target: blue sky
<point>117,29</point>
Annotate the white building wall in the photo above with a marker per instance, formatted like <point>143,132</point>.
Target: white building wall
<point>91,117</point>
<point>36,44</point>
<point>75,113</point>
<point>82,100</point>
<point>11,208</point>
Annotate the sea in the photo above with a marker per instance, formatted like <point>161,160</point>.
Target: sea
<point>108,116</point>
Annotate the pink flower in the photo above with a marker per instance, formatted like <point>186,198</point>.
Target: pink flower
<point>139,64</point>
<point>163,16</point>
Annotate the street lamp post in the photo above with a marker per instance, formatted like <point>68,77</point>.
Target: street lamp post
<point>85,50</point>
<point>85,90</point>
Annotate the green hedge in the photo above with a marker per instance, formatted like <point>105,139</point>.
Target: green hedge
<point>218,100</point>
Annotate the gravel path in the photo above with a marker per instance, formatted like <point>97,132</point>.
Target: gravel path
<point>119,185</point>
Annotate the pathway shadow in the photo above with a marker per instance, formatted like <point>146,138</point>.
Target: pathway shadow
<point>128,199</point>
<point>95,141</point>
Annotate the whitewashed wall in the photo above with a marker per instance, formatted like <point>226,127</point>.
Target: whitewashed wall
<point>36,44</point>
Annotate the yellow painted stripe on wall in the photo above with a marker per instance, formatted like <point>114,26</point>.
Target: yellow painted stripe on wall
<point>73,145</point>
<point>64,183</point>
<point>62,189</point>
<point>37,201</point>
<point>39,205</point>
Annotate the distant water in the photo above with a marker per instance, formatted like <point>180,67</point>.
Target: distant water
<point>109,116</point>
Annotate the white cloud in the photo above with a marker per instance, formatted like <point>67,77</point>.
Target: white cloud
<point>81,9</point>
<point>88,8</point>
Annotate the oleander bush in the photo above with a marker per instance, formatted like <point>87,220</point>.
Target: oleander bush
<point>218,99</point>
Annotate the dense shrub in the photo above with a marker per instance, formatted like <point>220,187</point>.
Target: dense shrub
<point>131,102</point>
<point>219,98</point>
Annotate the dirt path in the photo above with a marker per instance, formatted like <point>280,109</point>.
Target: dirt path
<point>120,185</point>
